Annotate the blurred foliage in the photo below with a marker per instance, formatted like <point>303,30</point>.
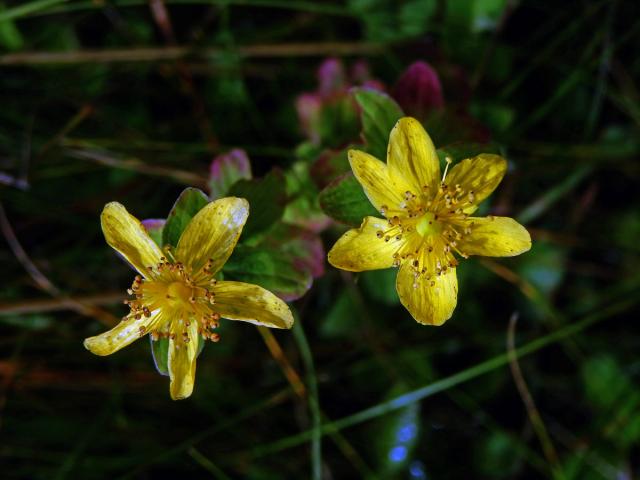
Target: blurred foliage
<point>134,101</point>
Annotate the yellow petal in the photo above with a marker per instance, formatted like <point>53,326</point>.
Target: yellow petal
<point>360,249</point>
<point>479,175</point>
<point>381,188</point>
<point>213,233</point>
<point>182,364</point>
<point>125,234</point>
<point>251,303</point>
<point>126,332</point>
<point>495,237</point>
<point>428,304</point>
<point>412,156</point>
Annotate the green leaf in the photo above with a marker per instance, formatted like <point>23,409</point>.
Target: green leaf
<point>226,170</point>
<point>345,201</point>
<point>379,114</point>
<point>270,269</point>
<point>267,198</point>
<point>155,227</point>
<point>190,202</point>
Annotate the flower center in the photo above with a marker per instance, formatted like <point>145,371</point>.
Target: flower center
<point>178,294</point>
<point>177,297</point>
<point>427,225</point>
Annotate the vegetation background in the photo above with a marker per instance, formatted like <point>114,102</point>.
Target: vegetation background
<point>130,100</point>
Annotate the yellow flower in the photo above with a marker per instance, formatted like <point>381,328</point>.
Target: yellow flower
<point>427,220</point>
<point>176,295</point>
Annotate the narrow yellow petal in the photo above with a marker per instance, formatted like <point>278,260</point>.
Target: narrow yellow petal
<point>360,248</point>
<point>478,177</point>
<point>182,364</point>
<point>126,332</point>
<point>495,237</point>
<point>125,234</point>
<point>251,303</point>
<point>213,233</point>
<point>380,187</point>
<point>428,304</point>
<point>411,155</point>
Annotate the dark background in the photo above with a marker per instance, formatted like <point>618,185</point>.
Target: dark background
<point>89,114</point>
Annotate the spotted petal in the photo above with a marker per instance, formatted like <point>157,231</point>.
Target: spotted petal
<point>381,188</point>
<point>123,334</point>
<point>251,303</point>
<point>125,234</point>
<point>182,363</point>
<point>213,233</point>
<point>428,304</point>
<point>360,248</point>
<point>412,156</point>
<point>478,176</point>
<point>495,237</point>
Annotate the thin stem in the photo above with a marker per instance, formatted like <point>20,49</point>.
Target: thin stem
<point>529,403</point>
<point>314,401</point>
<point>159,54</point>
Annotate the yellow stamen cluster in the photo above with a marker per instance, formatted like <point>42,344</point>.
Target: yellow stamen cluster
<point>178,296</point>
<point>428,227</point>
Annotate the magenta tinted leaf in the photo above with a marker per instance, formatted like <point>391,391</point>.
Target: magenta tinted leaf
<point>303,247</point>
<point>308,106</point>
<point>226,170</point>
<point>418,90</point>
<point>331,77</point>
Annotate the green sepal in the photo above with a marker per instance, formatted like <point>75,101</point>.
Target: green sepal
<point>160,353</point>
<point>190,202</point>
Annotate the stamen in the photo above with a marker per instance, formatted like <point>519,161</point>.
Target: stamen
<point>449,161</point>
